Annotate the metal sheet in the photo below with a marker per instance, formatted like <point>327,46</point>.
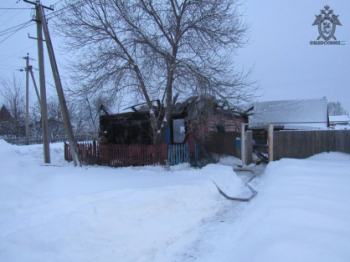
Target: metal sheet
<point>178,130</point>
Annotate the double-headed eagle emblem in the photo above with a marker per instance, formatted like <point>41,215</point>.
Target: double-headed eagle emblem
<point>327,22</point>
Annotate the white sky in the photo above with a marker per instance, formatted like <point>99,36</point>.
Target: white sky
<point>287,66</point>
<point>285,62</point>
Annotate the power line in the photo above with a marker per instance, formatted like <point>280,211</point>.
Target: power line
<point>7,10</point>
<point>14,28</point>
<point>17,53</point>
<point>14,8</point>
<point>57,3</point>
<point>11,69</point>
<point>12,18</point>
<point>15,31</point>
<point>70,6</point>
<point>9,66</point>
<point>5,55</point>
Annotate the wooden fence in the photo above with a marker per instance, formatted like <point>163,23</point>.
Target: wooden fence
<point>178,154</point>
<point>119,155</point>
<point>303,144</point>
<point>225,144</point>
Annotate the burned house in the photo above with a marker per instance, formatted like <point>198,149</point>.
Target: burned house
<point>126,128</point>
<point>134,127</point>
<point>193,118</point>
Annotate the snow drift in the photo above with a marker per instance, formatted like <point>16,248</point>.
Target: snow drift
<point>62,213</point>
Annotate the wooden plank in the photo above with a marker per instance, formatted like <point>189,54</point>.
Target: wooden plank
<point>303,144</point>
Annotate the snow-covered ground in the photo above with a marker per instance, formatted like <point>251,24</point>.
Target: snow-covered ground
<point>301,213</point>
<point>63,213</point>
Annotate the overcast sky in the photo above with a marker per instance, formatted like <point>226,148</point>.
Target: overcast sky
<point>287,66</point>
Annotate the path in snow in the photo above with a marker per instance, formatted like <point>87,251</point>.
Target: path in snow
<point>204,242</point>
<point>301,213</point>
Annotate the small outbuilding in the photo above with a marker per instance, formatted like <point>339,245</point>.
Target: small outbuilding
<point>306,114</point>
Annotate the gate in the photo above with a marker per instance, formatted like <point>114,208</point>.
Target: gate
<point>178,154</point>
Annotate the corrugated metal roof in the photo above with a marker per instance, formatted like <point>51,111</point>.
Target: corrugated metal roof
<point>291,111</point>
<point>343,118</point>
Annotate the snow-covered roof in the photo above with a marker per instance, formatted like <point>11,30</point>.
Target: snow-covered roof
<point>303,112</point>
<point>343,118</point>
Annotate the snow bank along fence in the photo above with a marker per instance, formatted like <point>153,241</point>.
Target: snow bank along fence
<point>129,155</point>
<point>21,141</point>
<point>281,144</point>
<point>299,144</point>
<point>303,144</point>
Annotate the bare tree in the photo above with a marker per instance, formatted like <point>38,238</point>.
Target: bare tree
<point>12,92</point>
<point>35,120</point>
<point>156,49</point>
<point>92,107</point>
<point>55,117</point>
<point>85,111</point>
<point>335,109</point>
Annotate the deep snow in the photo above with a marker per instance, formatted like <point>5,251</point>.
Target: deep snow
<point>301,213</point>
<point>63,213</point>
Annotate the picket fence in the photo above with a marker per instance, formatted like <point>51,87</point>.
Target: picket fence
<point>129,155</point>
<point>178,154</point>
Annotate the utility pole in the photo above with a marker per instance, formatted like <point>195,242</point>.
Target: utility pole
<point>270,141</point>
<point>45,125</point>
<point>27,95</point>
<point>42,23</point>
<point>58,84</point>
<point>35,86</point>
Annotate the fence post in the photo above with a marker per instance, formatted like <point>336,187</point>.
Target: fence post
<point>248,146</point>
<point>243,145</point>
<point>94,149</point>
<point>187,153</point>
<point>270,141</point>
<point>65,151</point>
<point>195,153</point>
<point>169,155</point>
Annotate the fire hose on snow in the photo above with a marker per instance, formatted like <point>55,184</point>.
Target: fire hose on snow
<point>241,199</point>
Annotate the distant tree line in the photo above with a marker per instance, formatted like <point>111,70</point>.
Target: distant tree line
<point>335,109</point>
<point>83,112</point>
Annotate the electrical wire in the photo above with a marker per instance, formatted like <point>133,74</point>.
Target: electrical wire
<point>11,18</point>
<point>7,10</point>
<point>14,32</point>
<point>3,68</point>
<point>14,28</point>
<point>9,66</point>
<point>18,52</point>
<point>14,8</point>
<point>5,55</point>
<point>70,6</point>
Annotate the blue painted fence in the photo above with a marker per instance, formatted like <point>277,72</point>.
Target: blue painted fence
<point>178,154</point>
